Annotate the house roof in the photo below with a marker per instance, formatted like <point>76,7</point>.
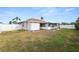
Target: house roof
<point>33,20</point>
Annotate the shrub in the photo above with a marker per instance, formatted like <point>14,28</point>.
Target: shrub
<point>77,25</point>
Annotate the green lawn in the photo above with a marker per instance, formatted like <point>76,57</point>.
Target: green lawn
<point>44,41</point>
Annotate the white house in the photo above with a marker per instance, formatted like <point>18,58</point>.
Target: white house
<point>37,24</point>
<point>33,24</point>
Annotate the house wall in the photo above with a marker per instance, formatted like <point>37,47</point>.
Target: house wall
<point>67,26</point>
<point>46,28</point>
<point>25,26</point>
<point>33,26</point>
<point>49,28</point>
<point>10,27</point>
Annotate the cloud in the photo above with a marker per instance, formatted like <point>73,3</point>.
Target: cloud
<point>48,11</point>
<point>9,15</point>
<point>57,14</point>
<point>56,11</point>
<point>69,9</point>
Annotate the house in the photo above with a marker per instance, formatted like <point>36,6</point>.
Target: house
<point>37,24</point>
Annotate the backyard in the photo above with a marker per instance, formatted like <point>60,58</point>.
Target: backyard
<point>40,41</point>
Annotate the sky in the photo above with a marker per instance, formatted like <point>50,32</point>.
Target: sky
<point>51,14</point>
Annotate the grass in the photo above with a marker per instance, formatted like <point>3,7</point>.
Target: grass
<point>45,41</point>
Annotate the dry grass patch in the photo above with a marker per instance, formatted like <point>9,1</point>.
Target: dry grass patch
<point>43,40</point>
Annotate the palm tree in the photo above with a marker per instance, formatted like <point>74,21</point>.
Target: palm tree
<point>10,22</point>
<point>77,19</point>
<point>16,20</point>
<point>42,18</point>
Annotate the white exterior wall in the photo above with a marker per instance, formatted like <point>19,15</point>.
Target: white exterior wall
<point>25,26</point>
<point>33,26</point>
<point>67,26</point>
<point>10,27</point>
<point>46,28</point>
<point>49,28</point>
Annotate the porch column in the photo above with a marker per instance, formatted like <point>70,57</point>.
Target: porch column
<point>58,26</point>
<point>46,25</point>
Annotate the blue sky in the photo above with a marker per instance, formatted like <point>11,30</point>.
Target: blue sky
<point>52,14</point>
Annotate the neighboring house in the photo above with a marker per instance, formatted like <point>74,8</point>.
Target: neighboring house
<point>37,24</point>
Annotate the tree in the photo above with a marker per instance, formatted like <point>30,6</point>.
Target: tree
<point>16,20</point>
<point>42,18</point>
<point>10,22</point>
<point>77,23</point>
<point>64,23</point>
<point>77,19</point>
<point>72,23</point>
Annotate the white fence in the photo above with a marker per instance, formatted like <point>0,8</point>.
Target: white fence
<point>67,26</point>
<point>10,27</point>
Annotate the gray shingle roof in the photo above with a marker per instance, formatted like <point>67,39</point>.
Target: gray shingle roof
<point>33,20</point>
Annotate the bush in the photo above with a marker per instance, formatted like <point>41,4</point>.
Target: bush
<point>77,25</point>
